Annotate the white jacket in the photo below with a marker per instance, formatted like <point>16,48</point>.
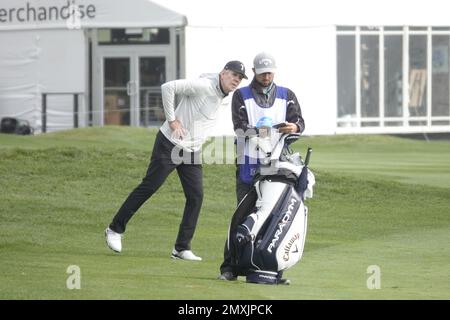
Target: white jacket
<point>199,101</point>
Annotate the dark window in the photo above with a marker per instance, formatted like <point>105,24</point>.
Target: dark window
<point>441,76</point>
<point>370,76</point>
<point>134,36</point>
<point>346,76</point>
<point>417,75</point>
<point>393,76</point>
<point>393,28</point>
<point>345,28</point>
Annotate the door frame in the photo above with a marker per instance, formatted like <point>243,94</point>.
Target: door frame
<point>134,52</point>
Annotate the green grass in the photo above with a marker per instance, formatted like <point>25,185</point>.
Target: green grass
<point>378,200</point>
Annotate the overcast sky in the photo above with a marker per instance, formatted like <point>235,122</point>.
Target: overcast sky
<point>313,13</point>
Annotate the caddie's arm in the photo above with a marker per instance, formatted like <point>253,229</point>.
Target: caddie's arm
<point>294,115</point>
<point>239,113</point>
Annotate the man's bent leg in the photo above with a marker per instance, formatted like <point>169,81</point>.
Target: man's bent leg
<point>191,177</point>
<point>156,175</point>
<point>159,168</point>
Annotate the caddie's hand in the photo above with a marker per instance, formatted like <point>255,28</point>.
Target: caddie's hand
<point>288,128</point>
<point>178,131</point>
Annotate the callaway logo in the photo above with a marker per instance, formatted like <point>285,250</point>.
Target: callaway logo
<point>242,67</point>
<point>265,61</point>
<point>288,246</point>
<point>284,220</point>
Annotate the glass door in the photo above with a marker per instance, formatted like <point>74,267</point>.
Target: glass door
<point>117,87</point>
<point>129,84</point>
<point>152,74</point>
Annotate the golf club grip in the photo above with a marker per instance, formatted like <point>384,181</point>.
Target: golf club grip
<point>308,155</point>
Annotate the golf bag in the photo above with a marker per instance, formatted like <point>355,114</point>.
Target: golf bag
<point>268,229</point>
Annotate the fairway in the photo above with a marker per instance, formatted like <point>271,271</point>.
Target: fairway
<point>379,202</point>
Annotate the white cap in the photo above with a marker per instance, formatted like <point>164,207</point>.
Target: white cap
<point>264,62</point>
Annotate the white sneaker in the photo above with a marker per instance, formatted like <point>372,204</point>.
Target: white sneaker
<point>113,240</point>
<point>185,255</point>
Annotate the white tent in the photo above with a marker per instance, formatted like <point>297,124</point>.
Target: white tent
<point>44,51</point>
<point>73,14</point>
<point>218,31</point>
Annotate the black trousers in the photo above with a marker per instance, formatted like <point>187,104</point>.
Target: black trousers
<point>241,190</point>
<point>161,165</point>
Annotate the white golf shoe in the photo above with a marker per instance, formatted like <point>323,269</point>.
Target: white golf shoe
<point>185,255</point>
<point>113,240</point>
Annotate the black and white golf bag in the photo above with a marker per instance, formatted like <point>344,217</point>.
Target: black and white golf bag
<point>268,229</point>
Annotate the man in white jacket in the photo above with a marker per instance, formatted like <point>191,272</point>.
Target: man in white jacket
<point>178,146</point>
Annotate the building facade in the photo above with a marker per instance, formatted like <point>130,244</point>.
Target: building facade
<point>393,78</point>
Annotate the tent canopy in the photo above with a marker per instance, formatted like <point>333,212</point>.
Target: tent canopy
<point>76,14</point>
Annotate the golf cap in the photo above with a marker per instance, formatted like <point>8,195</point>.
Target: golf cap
<point>237,67</point>
<point>264,62</point>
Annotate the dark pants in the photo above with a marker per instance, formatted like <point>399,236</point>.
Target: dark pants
<point>161,165</point>
<point>241,190</point>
